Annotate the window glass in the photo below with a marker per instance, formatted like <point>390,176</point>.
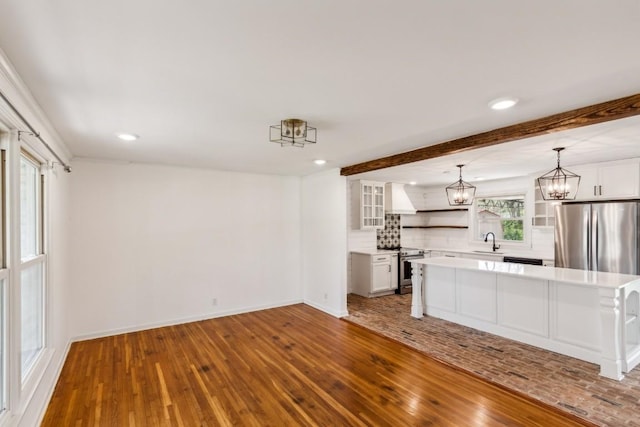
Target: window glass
<point>2,349</point>
<point>503,216</point>
<point>29,213</point>
<point>32,268</point>
<point>31,312</point>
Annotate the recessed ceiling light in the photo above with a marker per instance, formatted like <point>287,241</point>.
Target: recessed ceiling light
<point>127,136</point>
<point>503,103</point>
<point>412,183</point>
<point>319,162</point>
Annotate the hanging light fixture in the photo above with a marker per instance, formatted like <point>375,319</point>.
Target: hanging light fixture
<point>460,193</point>
<point>559,183</point>
<point>292,132</point>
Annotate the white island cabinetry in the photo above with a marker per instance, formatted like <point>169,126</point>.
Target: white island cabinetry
<point>588,315</point>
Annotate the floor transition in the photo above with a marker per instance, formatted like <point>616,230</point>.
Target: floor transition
<point>564,382</point>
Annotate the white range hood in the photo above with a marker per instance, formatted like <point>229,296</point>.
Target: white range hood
<point>396,200</point>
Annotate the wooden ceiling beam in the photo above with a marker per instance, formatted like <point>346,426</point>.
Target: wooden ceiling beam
<point>593,114</point>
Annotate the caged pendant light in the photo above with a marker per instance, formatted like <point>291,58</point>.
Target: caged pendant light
<point>460,193</point>
<point>559,183</point>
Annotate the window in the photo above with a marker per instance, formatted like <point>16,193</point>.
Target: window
<point>3,359</point>
<point>32,264</point>
<point>3,286</point>
<point>503,216</point>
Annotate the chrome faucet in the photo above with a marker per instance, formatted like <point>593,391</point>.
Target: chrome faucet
<point>486,239</point>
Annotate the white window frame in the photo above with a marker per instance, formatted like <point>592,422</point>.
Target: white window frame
<point>21,390</point>
<point>475,239</point>
<point>6,334</point>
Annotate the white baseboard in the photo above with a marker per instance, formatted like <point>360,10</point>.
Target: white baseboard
<point>172,322</point>
<point>334,313</point>
<point>52,386</point>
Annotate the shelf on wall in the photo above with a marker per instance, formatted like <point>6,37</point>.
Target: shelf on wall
<point>435,226</point>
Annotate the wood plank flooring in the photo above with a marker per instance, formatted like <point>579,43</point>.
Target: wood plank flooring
<point>287,366</point>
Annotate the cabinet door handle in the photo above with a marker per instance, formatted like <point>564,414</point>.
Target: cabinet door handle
<point>389,268</point>
<point>594,191</point>
<point>600,189</point>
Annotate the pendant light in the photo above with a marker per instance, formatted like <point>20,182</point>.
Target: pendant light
<point>460,193</point>
<point>559,183</point>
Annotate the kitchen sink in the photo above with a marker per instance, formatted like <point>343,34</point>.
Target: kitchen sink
<point>489,252</point>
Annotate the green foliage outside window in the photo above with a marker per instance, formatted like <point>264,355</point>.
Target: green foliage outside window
<point>512,229</point>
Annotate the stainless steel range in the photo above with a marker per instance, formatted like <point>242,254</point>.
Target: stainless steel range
<point>404,268</point>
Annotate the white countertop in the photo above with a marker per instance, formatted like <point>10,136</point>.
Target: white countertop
<point>566,275</point>
<point>500,252</point>
<point>375,251</point>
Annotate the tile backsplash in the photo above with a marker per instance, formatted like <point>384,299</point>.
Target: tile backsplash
<point>389,237</point>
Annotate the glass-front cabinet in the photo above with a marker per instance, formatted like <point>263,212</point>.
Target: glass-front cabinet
<point>544,211</point>
<point>368,204</point>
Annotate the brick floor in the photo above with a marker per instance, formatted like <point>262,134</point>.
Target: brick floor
<point>567,383</point>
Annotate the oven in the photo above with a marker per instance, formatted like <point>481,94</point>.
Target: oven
<point>404,268</point>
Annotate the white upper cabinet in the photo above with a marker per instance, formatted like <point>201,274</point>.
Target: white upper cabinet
<point>543,210</point>
<point>367,204</point>
<point>609,180</point>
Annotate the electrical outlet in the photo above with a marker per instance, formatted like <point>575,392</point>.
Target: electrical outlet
<point>214,302</point>
<point>326,296</point>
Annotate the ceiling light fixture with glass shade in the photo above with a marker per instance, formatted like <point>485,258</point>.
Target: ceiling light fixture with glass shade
<point>460,193</point>
<point>292,132</point>
<point>559,183</point>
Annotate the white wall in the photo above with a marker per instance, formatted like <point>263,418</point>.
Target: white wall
<point>324,241</point>
<point>154,245</point>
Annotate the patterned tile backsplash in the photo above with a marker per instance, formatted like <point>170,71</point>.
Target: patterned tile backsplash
<point>389,237</point>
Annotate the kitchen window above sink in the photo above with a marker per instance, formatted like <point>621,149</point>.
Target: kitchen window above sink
<point>501,215</point>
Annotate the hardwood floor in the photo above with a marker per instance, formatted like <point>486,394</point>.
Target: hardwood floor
<point>287,366</point>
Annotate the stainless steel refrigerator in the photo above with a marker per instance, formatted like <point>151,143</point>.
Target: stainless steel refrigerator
<point>598,236</point>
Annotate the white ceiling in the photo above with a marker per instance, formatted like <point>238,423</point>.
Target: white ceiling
<point>201,81</point>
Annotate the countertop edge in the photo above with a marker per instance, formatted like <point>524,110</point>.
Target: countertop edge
<point>564,275</point>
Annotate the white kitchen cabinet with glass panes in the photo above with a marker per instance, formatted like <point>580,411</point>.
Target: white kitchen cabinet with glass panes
<point>544,211</point>
<point>367,204</point>
<point>609,180</point>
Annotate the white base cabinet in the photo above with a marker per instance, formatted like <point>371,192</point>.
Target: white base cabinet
<point>374,275</point>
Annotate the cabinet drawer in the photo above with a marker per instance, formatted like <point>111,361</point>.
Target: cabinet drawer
<point>381,258</point>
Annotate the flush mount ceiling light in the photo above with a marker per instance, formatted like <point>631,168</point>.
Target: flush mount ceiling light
<point>460,193</point>
<point>503,103</point>
<point>319,162</point>
<point>127,136</point>
<point>559,184</point>
<point>292,132</point>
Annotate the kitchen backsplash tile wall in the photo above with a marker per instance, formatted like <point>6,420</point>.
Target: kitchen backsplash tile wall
<point>389,237</point>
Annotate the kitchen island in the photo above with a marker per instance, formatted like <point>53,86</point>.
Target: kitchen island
<point>592,316</point>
